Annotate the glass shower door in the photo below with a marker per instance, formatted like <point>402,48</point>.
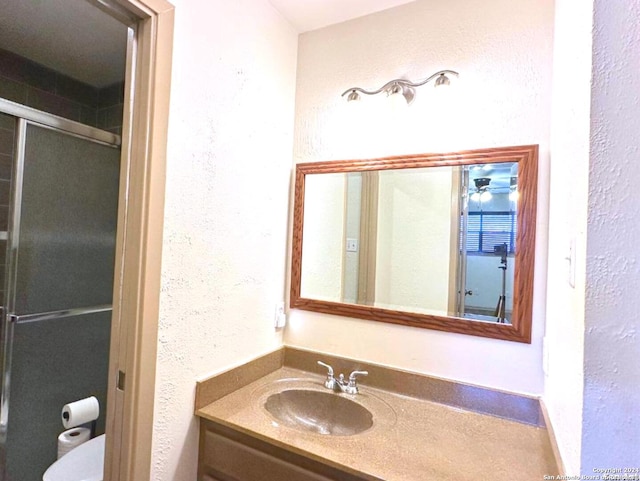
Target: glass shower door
<point>58,294</point>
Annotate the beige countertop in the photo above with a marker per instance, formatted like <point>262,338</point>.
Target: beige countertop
<point>411,440</point>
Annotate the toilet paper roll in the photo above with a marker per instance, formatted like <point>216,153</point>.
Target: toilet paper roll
<point>80,412</point>
<point>72,438</point>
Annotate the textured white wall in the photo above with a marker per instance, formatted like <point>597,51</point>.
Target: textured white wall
<point>611,409</point>
<point>414,227</point>
<point>591,389</point>
<point>567,222</point>
<point>352,231</point>
<point>324,206</point>
<point>225,237</point>
<point>503,50</point>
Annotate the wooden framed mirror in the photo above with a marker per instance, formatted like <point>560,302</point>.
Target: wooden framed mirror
<point>435,241</point>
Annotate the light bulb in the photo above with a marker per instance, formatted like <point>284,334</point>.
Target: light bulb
<point>353,96</point>
<point>475,196</point>
<point>396,98</point>
<point>513,196</point>
<point>442,81</point>
<point>397,102</point>
<point>485,196</point>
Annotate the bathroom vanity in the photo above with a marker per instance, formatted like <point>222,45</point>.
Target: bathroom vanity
<point>421,428</point>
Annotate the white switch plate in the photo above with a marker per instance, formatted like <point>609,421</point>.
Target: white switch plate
<point>352,245</point>
<point>280,318</point>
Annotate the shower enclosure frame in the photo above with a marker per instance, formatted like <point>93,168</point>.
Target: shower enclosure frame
<point>24,116</point>
<point>27,116</point>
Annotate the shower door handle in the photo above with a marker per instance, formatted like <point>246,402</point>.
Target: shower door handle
<point>45,316</point>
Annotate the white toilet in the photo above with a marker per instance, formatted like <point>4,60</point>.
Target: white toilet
<point>84,463</point>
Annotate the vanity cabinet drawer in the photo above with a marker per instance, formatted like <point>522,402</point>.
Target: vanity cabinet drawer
<point>228,455</point>
<point>242,463</point>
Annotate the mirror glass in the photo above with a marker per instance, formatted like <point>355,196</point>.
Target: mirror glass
<point>432,240</point>
<point>437,241</point>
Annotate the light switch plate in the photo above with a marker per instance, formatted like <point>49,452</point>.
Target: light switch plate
<point>280,318</point>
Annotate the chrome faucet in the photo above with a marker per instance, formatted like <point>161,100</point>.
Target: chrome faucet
<point>339,384</point>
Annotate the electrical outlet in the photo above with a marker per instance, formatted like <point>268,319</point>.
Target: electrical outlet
<point>280,318</point>
<point>352,245</point>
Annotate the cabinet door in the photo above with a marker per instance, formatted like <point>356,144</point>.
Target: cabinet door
<point>230,455</point>
<point>232,460</point>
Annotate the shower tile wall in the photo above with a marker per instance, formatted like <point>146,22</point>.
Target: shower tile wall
<point>34,85</point>
<point>7,130</point>
<point>110,106</point>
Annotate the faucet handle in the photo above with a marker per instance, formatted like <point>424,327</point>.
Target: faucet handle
<point>352,376</point>
<point>330,383</point>
<point>329,368</point>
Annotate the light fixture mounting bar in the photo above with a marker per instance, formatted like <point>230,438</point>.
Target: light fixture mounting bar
<point>402,82</point>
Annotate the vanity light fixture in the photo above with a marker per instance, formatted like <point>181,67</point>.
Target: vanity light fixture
<point>401,87</point>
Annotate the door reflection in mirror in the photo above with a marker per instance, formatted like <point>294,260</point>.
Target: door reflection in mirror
<point>488,221</point>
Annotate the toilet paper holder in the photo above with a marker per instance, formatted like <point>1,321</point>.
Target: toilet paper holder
<point>92,425</point>
<point>84,412</point>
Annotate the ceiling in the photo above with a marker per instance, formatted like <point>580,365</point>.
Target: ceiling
<point>307,15</point>
<point>70,36</point>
